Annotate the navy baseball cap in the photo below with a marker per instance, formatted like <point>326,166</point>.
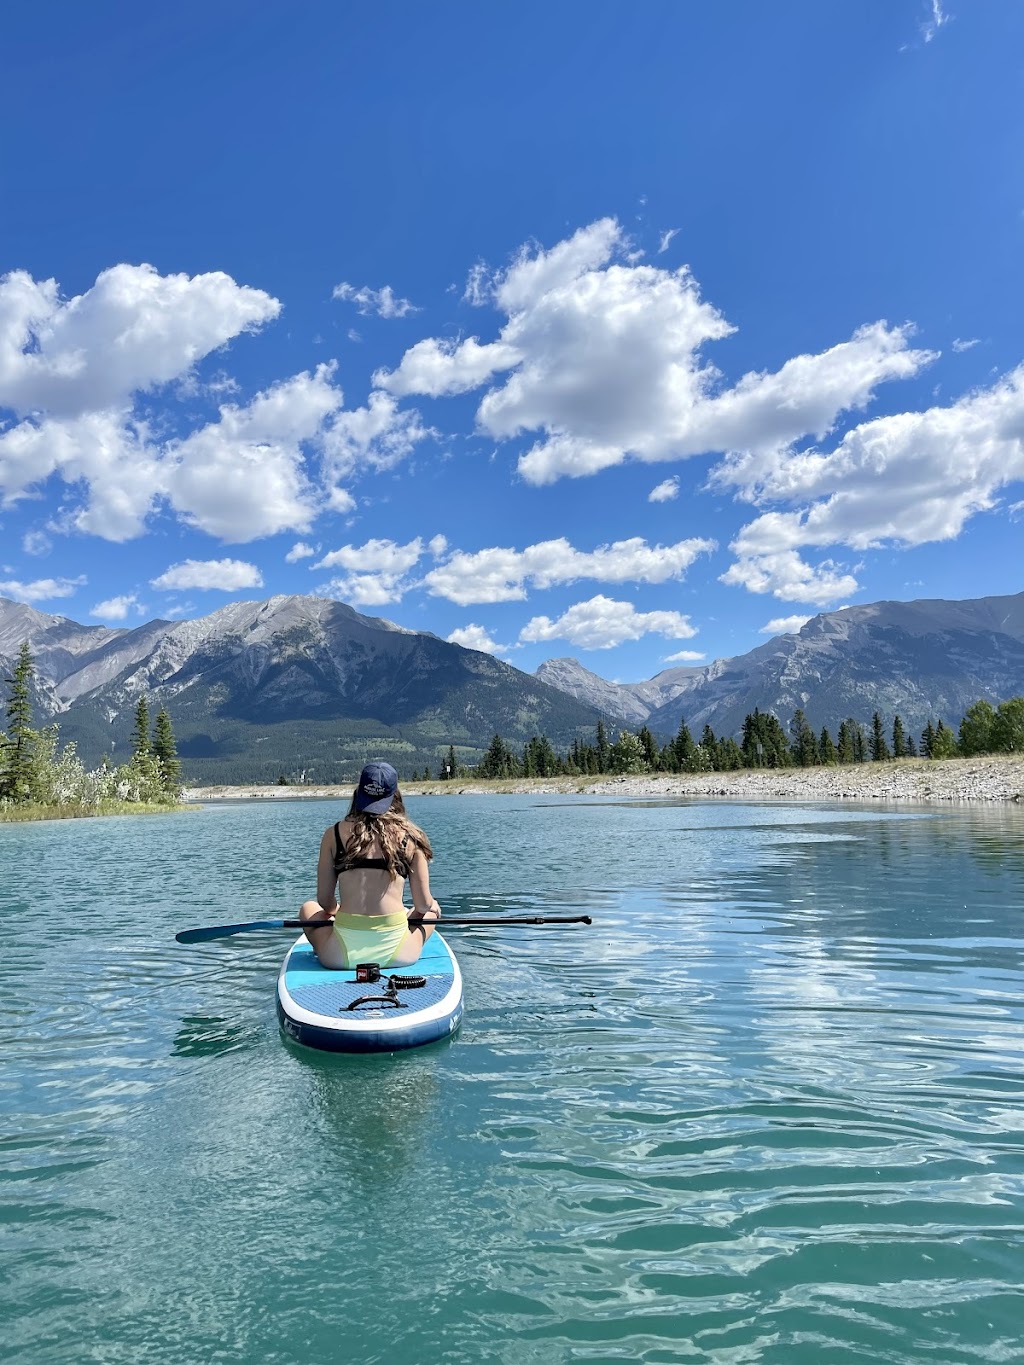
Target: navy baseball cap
<point>378,783</point>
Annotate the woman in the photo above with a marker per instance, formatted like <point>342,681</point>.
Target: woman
<point>359,914</point>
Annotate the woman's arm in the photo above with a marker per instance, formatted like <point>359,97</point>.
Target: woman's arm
<point>419,885</point>
<point>326,879</point>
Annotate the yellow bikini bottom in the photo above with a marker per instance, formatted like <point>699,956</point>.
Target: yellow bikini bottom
<point>370,938</point>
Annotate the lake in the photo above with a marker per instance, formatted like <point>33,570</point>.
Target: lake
<point>769,1108</point>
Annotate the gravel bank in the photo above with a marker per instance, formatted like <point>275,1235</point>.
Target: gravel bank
<point>974,780</point>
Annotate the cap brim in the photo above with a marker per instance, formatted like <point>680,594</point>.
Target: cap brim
<point>374,807</point>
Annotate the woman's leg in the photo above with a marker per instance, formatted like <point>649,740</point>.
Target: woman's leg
<point>328,950</point>
<point>412,945</point>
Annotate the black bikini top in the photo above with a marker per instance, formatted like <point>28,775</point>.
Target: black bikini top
<point>344,863</point>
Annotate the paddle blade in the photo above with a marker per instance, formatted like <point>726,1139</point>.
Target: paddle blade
<point>226,930</point>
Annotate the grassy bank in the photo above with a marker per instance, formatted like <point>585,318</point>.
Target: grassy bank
<point>15,814</point>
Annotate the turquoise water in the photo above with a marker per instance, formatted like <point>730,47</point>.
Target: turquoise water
<point>769,1108</point>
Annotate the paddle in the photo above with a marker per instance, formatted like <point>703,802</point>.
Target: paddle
<point>226,930</point>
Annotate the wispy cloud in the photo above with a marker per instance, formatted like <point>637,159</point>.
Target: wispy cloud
<point>665,239</point>
<point>960,345</point>
<point>381,303</point>
<point>936,19</point>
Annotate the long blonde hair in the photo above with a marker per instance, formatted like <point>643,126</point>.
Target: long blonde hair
<point>393,830</point>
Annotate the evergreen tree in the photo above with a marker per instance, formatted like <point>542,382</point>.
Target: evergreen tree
<point>140,730</point>
<point>627,754</point>
<point>927,740</point>
<point>728,756</point>
<point>450,766</point>
<point>713,748</point>
<point>976,729</point>
<point>752,742</point>
<point>1008,727</point>
<point>498,761</point>
<point>859,747</point>
<point>764,741</point>
<point>844,744</point>
<point>879,748</point>
<point>804,745</point>
<point>16,774</point>
<point>165,751</point>
<point>603,748</point>
<point>826,748</point>
<point>677,753</point>
<point>911,748</point>
<point>649,747</point>
<point>899,739</point>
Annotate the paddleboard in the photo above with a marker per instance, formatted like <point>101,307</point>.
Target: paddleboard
<point>329,1010</point>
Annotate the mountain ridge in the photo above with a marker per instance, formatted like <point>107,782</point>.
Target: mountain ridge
<point>925,659</point>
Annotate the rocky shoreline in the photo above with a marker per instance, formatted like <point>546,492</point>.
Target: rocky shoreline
<point>983,780</point>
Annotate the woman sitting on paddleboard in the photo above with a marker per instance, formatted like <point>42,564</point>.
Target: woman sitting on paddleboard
<point>364,860</point>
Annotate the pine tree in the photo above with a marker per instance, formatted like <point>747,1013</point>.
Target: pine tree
<point>911,748</point>
<point>679,750</point>
<point>927,740</point>
<point>165,751</point>
<point>899,739</point>
<point>603,748</point>
<point>804,745</point>
<point>826,748</point>
<point>879,748</point>
<point>649,747</point>
<point>714,748</point>
<point>450,766</point>
<point>140,730</point>
<point>19,749</point>
<point>845,742</point>
<point>859,747</point>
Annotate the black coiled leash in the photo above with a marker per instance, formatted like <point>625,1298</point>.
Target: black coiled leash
<point>370,971</point>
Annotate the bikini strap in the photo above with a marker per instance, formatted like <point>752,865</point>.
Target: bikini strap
<point>339,847</point>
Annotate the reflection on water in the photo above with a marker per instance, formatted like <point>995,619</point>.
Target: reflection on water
<point>769,1108</point>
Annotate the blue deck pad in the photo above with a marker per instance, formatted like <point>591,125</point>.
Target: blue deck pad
<point>312,1002</point>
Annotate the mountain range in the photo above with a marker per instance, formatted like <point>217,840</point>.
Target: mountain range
<point>309,688</point>
<point>304,687</point>
<point>924,660</point>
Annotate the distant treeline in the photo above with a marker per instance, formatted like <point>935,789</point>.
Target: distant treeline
<point>764,743</point>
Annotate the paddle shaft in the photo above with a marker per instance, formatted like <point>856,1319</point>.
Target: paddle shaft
<point>456,922</point>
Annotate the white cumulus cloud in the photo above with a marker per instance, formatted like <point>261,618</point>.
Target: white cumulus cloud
<point>243,476</point>
<point>664,491</point>
<point>133,330</point>
<point>377,436</point>
<point>604,358</point>
<point>377,571</point>
<point>602,623</point>
<point>117,608</point>
<point>476,637</point>
<point>784,625</point>
<point>904,479</point>
<point>226,575</point>
<point>684,656</point>
<point>40,589</point>
<point>503,574</point>
<point>300,550</point>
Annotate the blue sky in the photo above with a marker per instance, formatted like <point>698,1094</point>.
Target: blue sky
<point>634,333</point>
